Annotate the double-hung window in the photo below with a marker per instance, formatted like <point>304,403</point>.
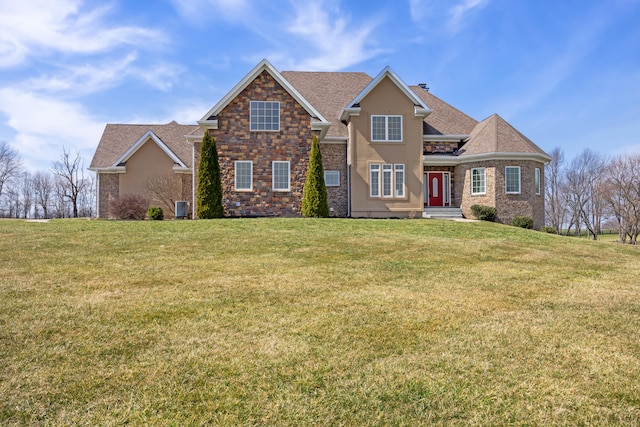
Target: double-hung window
<point>243,175</point>
<point>386,128</point>
<point>265,115</point>
<point>512,179</point>
<point>281,176</point>
<point>386,180</point>
<point>537,183</point>
<point>478,181</point>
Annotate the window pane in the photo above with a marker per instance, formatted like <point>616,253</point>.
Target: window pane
<point>281,176</point>
<point>512,179</point>
<point>243,175</point>
<point>399,180</point>
<point>478,181</point>
<point>395,128</point>
<point>386,180</point>
<point>378,128</point>
<point>264,115</point>
<point>374,180</point>
<point>537,180</point>
<point>332,178</point>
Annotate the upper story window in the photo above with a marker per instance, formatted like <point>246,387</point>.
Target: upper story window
<point>386,128</point>
<point>265,115</point>
<point>512,179</point>
<point>478,181</point>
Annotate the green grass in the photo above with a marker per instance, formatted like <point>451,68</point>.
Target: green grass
<point>315,322</point>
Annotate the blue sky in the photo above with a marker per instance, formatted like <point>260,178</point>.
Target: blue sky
<point>566,73</point>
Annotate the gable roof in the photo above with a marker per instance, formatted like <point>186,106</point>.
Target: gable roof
<point>120,141</point>
<point>329,92</point>
<point>496,136</point>
<point>263,66</point>
<point>421,108</point>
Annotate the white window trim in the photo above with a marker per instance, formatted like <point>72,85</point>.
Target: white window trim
<point>399,167</point>
<point>331,172</point>
<point>251,105</point>
<point>235,175</point>
<point>273,176</point>
<point>484,176</point>
<point>537,181</point>
<point>519,180</point>
<point>377,168</point>
<point>387,169</point>
<point>386,128</point>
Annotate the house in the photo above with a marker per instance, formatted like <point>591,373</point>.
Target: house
<point>389,150</point>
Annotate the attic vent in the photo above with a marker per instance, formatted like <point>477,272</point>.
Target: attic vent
<point>423,86</point>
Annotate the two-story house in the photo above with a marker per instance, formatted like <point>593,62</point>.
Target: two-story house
<point>389,150</point>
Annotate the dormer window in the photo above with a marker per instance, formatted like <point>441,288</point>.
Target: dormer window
<point>386,128</point>
<point>265,115</point>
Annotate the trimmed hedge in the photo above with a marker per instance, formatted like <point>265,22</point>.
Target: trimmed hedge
<point>548,229</point>
<point>484,213</point>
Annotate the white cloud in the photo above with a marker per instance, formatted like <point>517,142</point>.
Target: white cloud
<point>460,11</point>
<point>30,27</point>
<point>440,17</point>
<point>42,123</point>
<point>230,10</point>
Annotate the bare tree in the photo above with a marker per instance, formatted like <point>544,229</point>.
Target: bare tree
<point>71,172</point>
<point>584,191</point>
<point>87,199</point>
<point>556,203</point>
<point>27,196</point>
<point>166,189</point>
<point>43,187</point>
<point>10,164</point>
<point>622,195</point>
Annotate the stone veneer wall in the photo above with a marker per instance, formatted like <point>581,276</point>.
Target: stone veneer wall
<point>527,203</point>
<point>235,141</point>
<point>334,157</point>
<point>444,147</point>
<point>109,189</point>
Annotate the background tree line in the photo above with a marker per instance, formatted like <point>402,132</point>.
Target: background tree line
<point>592,191</point>
<point>61,192</point>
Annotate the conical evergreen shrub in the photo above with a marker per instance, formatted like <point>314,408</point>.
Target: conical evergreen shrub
<point>314,196</point>
<point>209,195</point>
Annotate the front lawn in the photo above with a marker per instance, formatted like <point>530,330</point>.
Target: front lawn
<point>315,322</point>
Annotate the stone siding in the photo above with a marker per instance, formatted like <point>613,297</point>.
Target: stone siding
<point>334,157</point>
<point>109,188</point>
<point>444,147</point>
<point>235,141</point>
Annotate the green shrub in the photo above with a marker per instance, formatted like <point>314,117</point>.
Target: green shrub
<point>314,199</point>
<point>129,206</point>
<point>155,214</point>
<point>484,213</point>
<point>522,222</point>
<point>549,229</point>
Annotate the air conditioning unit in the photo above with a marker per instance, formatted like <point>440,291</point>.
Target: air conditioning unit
<point>182,209</point>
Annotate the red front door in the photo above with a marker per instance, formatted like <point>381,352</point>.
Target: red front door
<point>434,188</point>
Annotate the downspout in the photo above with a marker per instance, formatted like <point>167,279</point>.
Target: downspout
<point>98,195</point>
<point>348,191</point>
<point>193,181</point>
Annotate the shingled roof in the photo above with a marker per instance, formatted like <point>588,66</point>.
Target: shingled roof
<point>118,138</point>
<point>444,119</point>
<point>495,135</point>
<point>329,92</point>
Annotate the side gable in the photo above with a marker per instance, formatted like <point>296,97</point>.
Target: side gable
<point>149,136</point>
<point>353,108</point>
<point>209,120</point>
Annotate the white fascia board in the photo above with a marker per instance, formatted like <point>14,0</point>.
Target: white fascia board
<point>349,112</point>
<point>208,124</point>
<point>149,135</point>
<point>323,127</point>
<point>444,138</point>
<point>334,140</point>
<point>194,138</point>
<point>180,169</point>
<point>117,169</point>
<point>263,65</point>
<point>456,160</point>
<point>388,72</point>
